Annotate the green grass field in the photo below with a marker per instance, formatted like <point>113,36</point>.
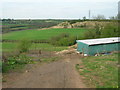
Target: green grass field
<point>41,34</point>
<point>100,71</point>
<point>8,47</point>
<point>37,34</point>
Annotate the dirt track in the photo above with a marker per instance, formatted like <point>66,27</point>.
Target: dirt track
<point>58,74</point>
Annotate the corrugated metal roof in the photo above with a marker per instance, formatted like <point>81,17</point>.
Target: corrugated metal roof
<point>100,41</point>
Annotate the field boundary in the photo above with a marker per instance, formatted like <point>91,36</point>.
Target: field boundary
<point>32,41</point>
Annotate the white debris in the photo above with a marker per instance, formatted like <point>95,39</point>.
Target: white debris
<point>85,55</point>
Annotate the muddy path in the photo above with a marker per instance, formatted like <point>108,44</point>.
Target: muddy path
<point>58,74</point>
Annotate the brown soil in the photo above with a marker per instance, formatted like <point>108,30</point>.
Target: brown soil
<point>44,29</point>
<point>58,74</point>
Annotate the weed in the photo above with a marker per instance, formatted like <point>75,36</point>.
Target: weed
<point>14,62</point>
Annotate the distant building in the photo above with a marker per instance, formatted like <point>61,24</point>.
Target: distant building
<point>97,46</point>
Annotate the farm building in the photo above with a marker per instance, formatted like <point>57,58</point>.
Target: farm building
<point>97,46</point>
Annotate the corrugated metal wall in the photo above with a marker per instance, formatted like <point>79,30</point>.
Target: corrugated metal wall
<point>82,47</point>
<point>92,50</point>
<point>103,48</point>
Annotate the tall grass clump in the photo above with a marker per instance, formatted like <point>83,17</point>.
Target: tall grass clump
<point>89,34</point>
<point>24,45</point>
<point>63,39</point>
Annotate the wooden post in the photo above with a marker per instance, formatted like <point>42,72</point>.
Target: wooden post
<point>83,51</point>
<point>39,52</point>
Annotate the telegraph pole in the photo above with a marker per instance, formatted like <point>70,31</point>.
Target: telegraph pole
<point>119,10</point>
<point>89,14</point>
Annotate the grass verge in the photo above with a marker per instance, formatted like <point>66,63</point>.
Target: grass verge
<point>100,71</point>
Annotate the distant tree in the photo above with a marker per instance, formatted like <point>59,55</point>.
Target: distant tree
<point>84,18</point>
<point>7,19</point>
<point>113,17</point>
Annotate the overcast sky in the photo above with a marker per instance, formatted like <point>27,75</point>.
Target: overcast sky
<point>57,9</point>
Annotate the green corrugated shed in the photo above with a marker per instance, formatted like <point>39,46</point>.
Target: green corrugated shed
<point>95,46</point>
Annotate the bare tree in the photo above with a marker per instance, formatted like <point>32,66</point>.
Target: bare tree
<point>113,17</point>
<point>99,17</point>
